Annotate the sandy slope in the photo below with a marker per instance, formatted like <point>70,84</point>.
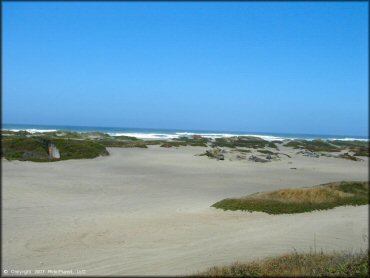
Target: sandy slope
<point>147,211</point>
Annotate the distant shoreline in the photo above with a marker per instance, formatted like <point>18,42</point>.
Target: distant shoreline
<point>150,133</point>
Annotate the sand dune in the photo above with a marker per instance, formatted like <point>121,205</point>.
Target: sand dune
<point>147,212</point>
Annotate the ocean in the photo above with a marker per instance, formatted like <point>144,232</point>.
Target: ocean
<point>150,133</point>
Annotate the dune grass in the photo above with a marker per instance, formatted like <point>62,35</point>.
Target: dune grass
<point>298,265</point>
<point>326,196</point>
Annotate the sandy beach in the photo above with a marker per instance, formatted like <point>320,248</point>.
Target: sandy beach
<point>147,212</point>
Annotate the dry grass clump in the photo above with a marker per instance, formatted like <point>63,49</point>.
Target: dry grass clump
<point>315,195</point>
<point>299,200</point>
<point>295,264</point>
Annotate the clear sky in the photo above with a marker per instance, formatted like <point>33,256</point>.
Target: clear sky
<point>243,66</point>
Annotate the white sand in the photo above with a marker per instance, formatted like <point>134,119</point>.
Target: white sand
<point>147,212</point>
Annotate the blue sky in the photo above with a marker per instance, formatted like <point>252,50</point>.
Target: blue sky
<point>244,66</point>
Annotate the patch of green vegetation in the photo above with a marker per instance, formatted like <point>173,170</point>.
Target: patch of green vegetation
<point>313,146</point>
<point>171,144</point>
<point>126,138</point>
<point>155,142</point>
<point>351,143</point>
<point>18,133</point>
<point>272,145</point>
<point>65,134</point>
<point>78,135</point>
<point>299,265</point>
<point>360,148</point>
<point>78,149</point>
<point>23,148</point>
<point>35,148</point>
<point>357,188</point>
<point>194,140</point>
<point>243,141</point>
<point>198,144</point>
<point>123,144</point>
<point>359,196</point>
<point>266,152</point>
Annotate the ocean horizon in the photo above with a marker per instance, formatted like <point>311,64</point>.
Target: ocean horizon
<point>159,133</point>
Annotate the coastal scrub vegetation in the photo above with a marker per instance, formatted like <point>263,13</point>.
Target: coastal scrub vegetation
<point>243,141</point>
<point>126,143</point>
<point>298,200</point>
<point>23,148</point>
<point>266,152</point>
<point>337,264</point>
<point>195,141</point>
<point>313,146</point>
<point>359,148</point>
<point>171,144</point>
<point>77,149</point>
<point>35,148</point>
